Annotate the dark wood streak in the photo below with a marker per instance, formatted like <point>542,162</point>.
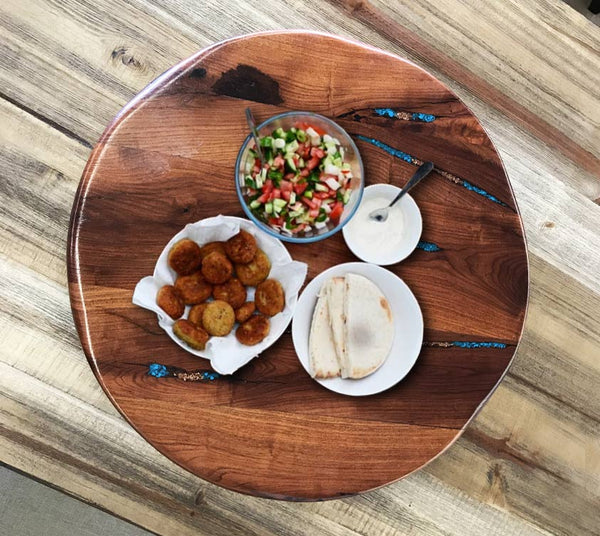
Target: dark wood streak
<point>168,159</point>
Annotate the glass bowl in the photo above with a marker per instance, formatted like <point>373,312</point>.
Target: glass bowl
<point>351,156</point>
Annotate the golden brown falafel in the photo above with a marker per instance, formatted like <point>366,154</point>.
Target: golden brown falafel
<point>169,300</point>
<point>255,271</point>
<point>193,288</point>
<point>244,312</point>
<point>269,297</point>
<point>253,330</point>
<point>195,314</point>
<point>241,248</point>
<point>184,257</point>
<point>212,246</point>
<point>233,292</point>
<point>216,268</point>
<point>192,335</point>
<point>218,318</point>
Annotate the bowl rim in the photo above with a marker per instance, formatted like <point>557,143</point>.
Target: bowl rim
<point>266,228</point>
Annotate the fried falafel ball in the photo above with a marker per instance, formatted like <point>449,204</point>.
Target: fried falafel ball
<point>195,314</point>
<point>233,292</point>
<point>218,318</point>
<point>169,300</point>
<point>193,288</point>
<point>269,297</point>
<point>253,330</point>
<point>212,246</point>
<point>184,257</point>
<point>192,335</point>
<point>241,248</point>
<point>216,268</point>
<point>244,312</point>
<point>256,271</point>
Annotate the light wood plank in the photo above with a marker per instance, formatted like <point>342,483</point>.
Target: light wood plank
<point>53,400</point>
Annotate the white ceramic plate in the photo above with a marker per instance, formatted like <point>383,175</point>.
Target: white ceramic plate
<point>226,354</point>
<point>408,324</point>
<point>412,227</point>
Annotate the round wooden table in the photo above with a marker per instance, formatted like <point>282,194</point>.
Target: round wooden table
<point>168,159</point>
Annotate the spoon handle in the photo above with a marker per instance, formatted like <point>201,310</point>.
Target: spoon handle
<point>424,170</point>
<point>255,135</point>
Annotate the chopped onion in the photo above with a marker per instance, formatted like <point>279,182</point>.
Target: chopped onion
<point>327,138</point>
<point>320,224</point>
<point>332,183</point>
<point>330,169</point>
<point>279,143</point>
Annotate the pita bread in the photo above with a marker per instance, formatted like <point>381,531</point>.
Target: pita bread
<point>336,297</point>
<point>369,327</point>
<point>322,352</point>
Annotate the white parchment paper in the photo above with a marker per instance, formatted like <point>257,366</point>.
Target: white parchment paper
<point>226,354</point>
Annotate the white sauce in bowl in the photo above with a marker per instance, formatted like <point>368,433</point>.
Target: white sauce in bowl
<point>385,242</point>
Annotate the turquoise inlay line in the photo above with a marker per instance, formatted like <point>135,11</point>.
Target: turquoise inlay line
<point>385,112</point>
<point>417,162</point>
<point>482,192</point>
<point>406,116</point>
<point>162,371</point>
<point>428,246</point>
<point>426,118</point>
<point>465,344</point>
<point>394,152</point>
<point>157,370</point>
<point>462,344</point>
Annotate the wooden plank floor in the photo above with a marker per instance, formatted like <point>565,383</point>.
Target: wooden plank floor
<point>528,464</point>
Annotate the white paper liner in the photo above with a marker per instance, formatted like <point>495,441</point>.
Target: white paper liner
<point>226,354</point>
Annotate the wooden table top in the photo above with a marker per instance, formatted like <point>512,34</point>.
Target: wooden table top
<point>530,461</point>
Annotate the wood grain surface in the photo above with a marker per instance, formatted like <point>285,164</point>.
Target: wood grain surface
<point>169,159</point>
<point>527,464</point>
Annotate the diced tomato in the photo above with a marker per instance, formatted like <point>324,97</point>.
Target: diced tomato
<point>263,198</point>
<point>309,202</point>
<point>305,126</point>
<point>257,162</point>
<point>286,195</point>
<point>305,172</point>
<point>300,187</point>
<point>286,186</point>
<point>251,191</point>
<point>267,186</point>
<point>336,211</point>
<point>298,228</point>
<point>276,193</point>
<point>319,153</point>
<point>313,212</point>
<point>276,221</point>
<point>323,195</point>
<point>255,170</point>
<point>313,163</point>
<point>289,176</point>
<point>278,162</point>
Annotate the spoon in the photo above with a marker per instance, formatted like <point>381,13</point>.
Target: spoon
<point>252,125</point>
<point>381,214</point>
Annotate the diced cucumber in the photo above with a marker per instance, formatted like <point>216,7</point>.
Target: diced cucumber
<point>292,198</point>
<point>346,197</point>
<point>255,204</point>
<point>278,204</point>
<point>320,187</point>
<point>346,167</point>
<point>291,147</point>
<point>290,162</point>
<point>301,135</point>
<point>275,175</point>
<point>269,208</point>
<point>290,136</point>
<point>308,194</point>
<point>337,161</point>
<point>259,181</point>
<point>267,141</point>
<point>301,162</point>
<point>250,182</point>
<point>327,138</point>
<point>279,133</point>
<point>322,216</point>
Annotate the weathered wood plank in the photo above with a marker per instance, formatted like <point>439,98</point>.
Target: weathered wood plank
<point>63,84</point>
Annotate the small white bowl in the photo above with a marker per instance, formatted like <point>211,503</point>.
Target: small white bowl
<point>411,230</point>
